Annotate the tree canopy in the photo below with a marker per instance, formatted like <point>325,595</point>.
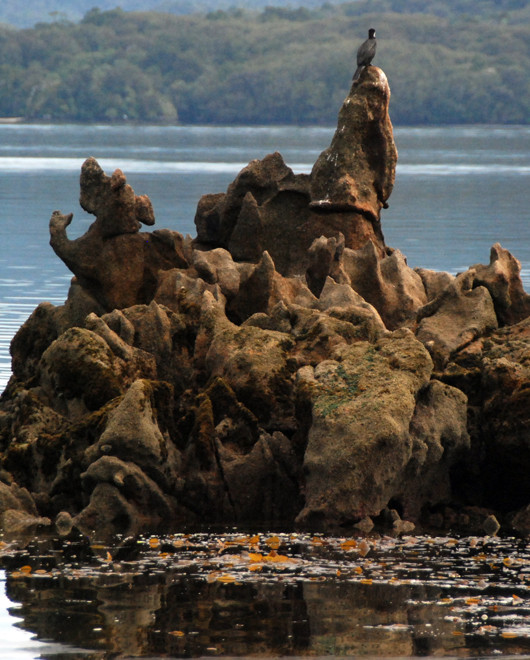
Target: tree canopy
<point>277,65</point>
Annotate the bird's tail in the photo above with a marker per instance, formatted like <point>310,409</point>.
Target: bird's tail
<point>357,72</point>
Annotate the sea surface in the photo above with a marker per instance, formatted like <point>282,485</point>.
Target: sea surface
<point>458,191</point>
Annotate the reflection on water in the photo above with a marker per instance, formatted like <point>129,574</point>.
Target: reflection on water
<point>285,594</point>
<point>15,644</point>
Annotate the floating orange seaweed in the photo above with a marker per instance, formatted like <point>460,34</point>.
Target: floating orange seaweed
<point>274,557</point>
<point>255,557</point>
<point>350,544</point>
<point>273,542</point>
<point>226,578</point>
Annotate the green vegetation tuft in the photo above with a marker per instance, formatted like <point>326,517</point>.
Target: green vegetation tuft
<point>456,61</point>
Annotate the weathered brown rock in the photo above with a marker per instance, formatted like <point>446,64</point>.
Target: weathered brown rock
<point>264,209</point>
<point>387,283</point>
<point>505,388</point>
<point>64,523</point>
<point>520,521</point>
<point>318,334</point>
<point>491,525</point>
<point>362,447</point>
<point>356,173</point>
<point>326,261</point>
<point>434,282</point>
<point>80,365</point>
<point>440,442</point>
<point>154,330</point>
<point>269,208</point>
<point>271,459</point>
<point>456,317</point>
<point>495,373</point>
<point>44,325</point>
<point>502,278</point>
<point>262,288</point>
<point>182,292</point>
<point>30,438</point>
<point>117,209</point>
<point>13,497</point>
<point>133,433</point>
<point>122,498</point>
<point>268,371</point>
<point>115,263</point>
<point>18,513</point>
<point>16,522</point>
<point>254,363</point>
<point>118,271</point>
<point>218,267</point>
<point>32,339</point>
<point>341,300</point>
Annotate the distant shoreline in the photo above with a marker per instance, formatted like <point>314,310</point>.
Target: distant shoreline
<point>257,125</point>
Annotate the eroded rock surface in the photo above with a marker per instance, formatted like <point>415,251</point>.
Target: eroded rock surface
<point>114,262</point>
<point>284,367</point>
<point>494,371</point>
<point>355,175</point>
<point>368,407</point>
<point>269,208</point>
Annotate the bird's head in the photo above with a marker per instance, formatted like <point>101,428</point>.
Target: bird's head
<point>371,33</point>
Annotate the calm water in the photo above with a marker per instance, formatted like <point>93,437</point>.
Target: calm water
<point>288,594</point>
<point>458,190</point>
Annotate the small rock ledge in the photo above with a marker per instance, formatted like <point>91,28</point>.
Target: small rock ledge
<point>283,367</point>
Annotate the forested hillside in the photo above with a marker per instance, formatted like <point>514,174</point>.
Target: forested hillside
<point>38,11</point>
<point>274,66</point>
<point>34,11</point>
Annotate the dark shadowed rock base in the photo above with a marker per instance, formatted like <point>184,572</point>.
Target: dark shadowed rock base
<point>285,367</point>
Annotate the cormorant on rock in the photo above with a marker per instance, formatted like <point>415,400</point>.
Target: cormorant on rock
<point>366,53</point>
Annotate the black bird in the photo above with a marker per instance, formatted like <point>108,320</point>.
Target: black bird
<point>366,53</point>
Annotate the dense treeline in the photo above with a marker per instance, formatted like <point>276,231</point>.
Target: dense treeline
<point>276,66</point>
<point>36,11</point>
<point>46,10</point>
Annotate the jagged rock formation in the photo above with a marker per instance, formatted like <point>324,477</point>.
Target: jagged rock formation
<point>285,366</point>
<point>284,213</point>
<point>114,239</point>
<point>354,177</point>
<point>375,404</point>
<point>493,371</point>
